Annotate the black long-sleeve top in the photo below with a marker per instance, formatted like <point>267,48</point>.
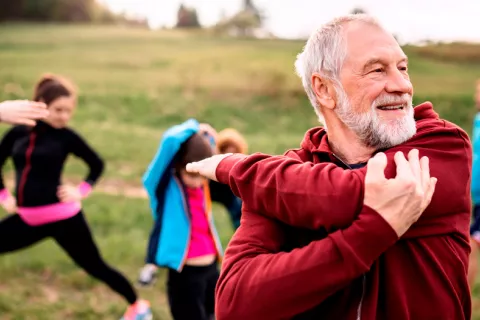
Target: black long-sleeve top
<point>39,155</point>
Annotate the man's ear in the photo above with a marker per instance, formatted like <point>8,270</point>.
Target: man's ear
<point>324,90</point>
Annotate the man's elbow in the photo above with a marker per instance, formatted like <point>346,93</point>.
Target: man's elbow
<point>232,301</point>
<point>225,305</point>
<point>226,310</point>
<point>236,308</point>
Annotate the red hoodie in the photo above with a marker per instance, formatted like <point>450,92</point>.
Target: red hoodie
<point>281,264</point>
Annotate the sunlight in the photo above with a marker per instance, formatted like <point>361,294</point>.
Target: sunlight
<point>157,14</point>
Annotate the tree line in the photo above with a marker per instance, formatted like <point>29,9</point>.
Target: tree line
<point>89,11</point>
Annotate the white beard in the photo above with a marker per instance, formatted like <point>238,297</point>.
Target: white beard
<point>370,128</point>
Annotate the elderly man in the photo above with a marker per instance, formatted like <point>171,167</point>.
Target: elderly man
<point>356,77</point>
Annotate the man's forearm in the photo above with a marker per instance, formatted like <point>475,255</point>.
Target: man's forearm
<point>259,282</point>
<point>300,194</point>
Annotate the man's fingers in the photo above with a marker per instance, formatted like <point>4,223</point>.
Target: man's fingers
<point>403,166</point>
<point>32,105</point>
<point>32,112</point>
<point>429,192</point>
<point>376,168</point>
<point>413,160</point>
<point>38,105</point>
<point>205,168</point>
<point>194,167</point>
<point>27,122</point>
<point>425,172</point>
<point>36,114</point>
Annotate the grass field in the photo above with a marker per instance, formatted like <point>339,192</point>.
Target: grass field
<point>133,85</point>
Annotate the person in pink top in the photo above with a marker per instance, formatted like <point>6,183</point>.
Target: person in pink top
<point>44,208</point>
<point>183,239</point>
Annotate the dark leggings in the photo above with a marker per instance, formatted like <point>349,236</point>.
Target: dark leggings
<point>74,236</point>
<point>191,293</point>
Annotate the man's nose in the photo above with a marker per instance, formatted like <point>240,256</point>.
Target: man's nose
<point>398,82</point>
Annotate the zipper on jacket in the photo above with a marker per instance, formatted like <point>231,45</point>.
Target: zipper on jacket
<point>209,216</point>
<point>338,158</point>
<point>28,165</point>
<point>364,277</point>
<point>185,206</point>
<point>359,309</point>
<point>215,239</point>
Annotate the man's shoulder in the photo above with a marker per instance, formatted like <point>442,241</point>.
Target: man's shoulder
<point>439,132</point>
<point>311,142</point>
<point>428,122</point>
<point>439,126</point>
<point>298,154</point>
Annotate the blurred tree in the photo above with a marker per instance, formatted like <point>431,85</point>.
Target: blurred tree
<point>243,23</point>
<point>358,10</point>
<point>187,17</point>
<point>61,11</point>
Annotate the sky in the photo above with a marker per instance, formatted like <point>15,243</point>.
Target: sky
<point>410,20</point>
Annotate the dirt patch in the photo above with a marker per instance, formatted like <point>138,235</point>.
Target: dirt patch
<point>50,293</point>
<point>118,187</point>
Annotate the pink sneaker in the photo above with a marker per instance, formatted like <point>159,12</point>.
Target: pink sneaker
<point>140,310</point>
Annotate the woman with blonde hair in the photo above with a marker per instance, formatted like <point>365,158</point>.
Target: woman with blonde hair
<point>230,140</point>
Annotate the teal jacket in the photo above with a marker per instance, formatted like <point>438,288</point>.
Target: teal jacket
<point>170,238</point>
<point>476,160</point>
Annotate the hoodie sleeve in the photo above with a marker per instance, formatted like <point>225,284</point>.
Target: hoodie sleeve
<point>300,194</point>
<point>307,195</point>
<point>259,281</point>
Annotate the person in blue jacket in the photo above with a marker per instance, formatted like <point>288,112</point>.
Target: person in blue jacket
<point>475,188</point>
<point>183,239</point>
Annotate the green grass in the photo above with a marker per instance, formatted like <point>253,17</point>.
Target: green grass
<point>133,85</point>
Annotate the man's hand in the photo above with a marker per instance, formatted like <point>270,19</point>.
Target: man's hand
<point>208,166</point>
<point>402,200</point>
<point>22,112</point>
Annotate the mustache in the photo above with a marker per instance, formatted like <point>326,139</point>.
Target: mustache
<point>393,99</point>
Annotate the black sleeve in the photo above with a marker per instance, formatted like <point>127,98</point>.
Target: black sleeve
<point>81,149</point>
<point>6,145</point>
<point>213,190</point>
<point>221,193</point>
<point>217,193</point>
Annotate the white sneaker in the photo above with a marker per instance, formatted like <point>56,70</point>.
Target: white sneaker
<point>148,275</point>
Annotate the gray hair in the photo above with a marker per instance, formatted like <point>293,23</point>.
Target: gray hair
<point>324,53</point>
